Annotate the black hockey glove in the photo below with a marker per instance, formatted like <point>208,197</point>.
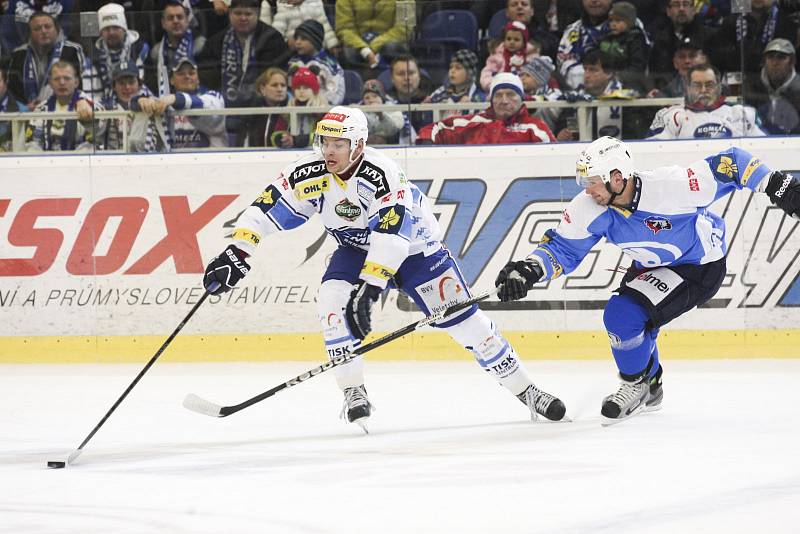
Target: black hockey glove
<point>517,278</point>
<point>783,190</point>
<point>359,309</point>
<point>225,270</point>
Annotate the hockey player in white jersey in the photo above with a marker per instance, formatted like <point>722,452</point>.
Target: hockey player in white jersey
<point>705,113</point>
<point>659,218</point>
<point>388,238</point>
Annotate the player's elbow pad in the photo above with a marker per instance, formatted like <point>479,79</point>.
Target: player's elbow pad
<point>783,190</point>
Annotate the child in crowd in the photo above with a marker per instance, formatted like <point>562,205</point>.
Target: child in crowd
<point>384,126</point>
<point>540,86</point>
<point>625,46</point>
<point>309,50</point>
<point>305,92</point>
<point>510,55</point>
<point>460,85</point>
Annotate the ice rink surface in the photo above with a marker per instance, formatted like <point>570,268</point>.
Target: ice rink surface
<point>449,451</point>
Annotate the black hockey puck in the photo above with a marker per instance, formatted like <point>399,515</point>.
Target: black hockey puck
<point>56,465</point>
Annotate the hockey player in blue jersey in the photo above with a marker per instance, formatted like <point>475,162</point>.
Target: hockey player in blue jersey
<point>659,218</point>
<point>388,238</point>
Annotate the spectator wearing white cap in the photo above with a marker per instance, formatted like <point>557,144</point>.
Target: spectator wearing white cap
<point>193,131</point>
<point>775,93</point>
<point>116,45</point>
<point>507,121</point>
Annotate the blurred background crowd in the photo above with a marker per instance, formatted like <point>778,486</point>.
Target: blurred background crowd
<point>493,71</point>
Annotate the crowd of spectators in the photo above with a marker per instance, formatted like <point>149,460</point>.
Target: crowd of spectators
<point>158,57</point>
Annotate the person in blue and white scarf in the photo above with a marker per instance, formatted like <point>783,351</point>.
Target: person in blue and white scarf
<point>63,134</point>
<point>116,45</point>
<point>28,72</point>
<point>234,58</point>
<point>179,41</point>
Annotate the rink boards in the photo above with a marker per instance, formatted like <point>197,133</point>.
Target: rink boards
<point>101,257</point>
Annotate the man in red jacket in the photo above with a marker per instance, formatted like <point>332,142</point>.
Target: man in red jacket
<point>507,121</point>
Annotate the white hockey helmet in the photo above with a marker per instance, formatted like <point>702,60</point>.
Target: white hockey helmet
<point>601,158</point>
<point>343,122</point>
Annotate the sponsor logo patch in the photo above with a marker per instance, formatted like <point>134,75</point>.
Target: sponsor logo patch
<point>712,130</point>
<point>389,219</point>
<point>694,184</point>
<point>347,211</point>
<point>330,130</point>
<point>312,189</point>
<point>240,234</point>
<point>656,284</point>
<point>656,224</point>
<point>752,165</point>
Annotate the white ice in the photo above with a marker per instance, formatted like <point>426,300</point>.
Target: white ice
<point>449,451</point>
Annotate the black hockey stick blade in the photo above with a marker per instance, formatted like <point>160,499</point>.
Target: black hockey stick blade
<point>198,404</point>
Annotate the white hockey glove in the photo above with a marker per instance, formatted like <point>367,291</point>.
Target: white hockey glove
<point>359,309</point>
<point>517,278</point>
<point>225,270</point>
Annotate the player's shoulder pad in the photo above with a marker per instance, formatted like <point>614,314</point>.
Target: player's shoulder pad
<point>378,175</point>
<point>579,214</point>
<point>307,168</point>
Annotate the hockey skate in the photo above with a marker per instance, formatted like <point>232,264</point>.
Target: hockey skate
<point>656,392</point>
<point>541,403</point>
<point>631,398</point>
<point>356,406</point>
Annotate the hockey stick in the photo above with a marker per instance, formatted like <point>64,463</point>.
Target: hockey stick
<point>79,450</point>
<point>202,406</point>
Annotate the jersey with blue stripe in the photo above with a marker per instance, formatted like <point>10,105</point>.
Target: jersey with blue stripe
<point>377,210</point>
<point>668,222</point>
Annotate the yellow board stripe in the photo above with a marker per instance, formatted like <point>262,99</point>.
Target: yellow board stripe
<point>674,344</point>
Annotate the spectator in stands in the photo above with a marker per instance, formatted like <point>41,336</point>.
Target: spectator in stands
<point>460,85</point>
<point>305,93</point>
<point>179,41</point>
<point>580,37</point>
<point>116,45</point>
<point>31,63</point>
<point>776,92</point>
<point>506,121</point>
<point>540,29</point>
<point>286,16</point>
<point>510,55</point>
<point>62,134</point>
<point>8,104</point>
<point>371,30</point>
<point>625,46</point>
<point>765,22</point>
<point>688,54</point>
<point>235,74</point>
<point>309,50</point>
<point>409,86</point>
<point>601,83</point>
<point>15,27</point>
<point>705,113</point>
<point>384,126</point>
<point>193,131</point>
<point>680,24</point>
<point>540,86</point>
<point>265,130</point>
<point>145,133</point>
